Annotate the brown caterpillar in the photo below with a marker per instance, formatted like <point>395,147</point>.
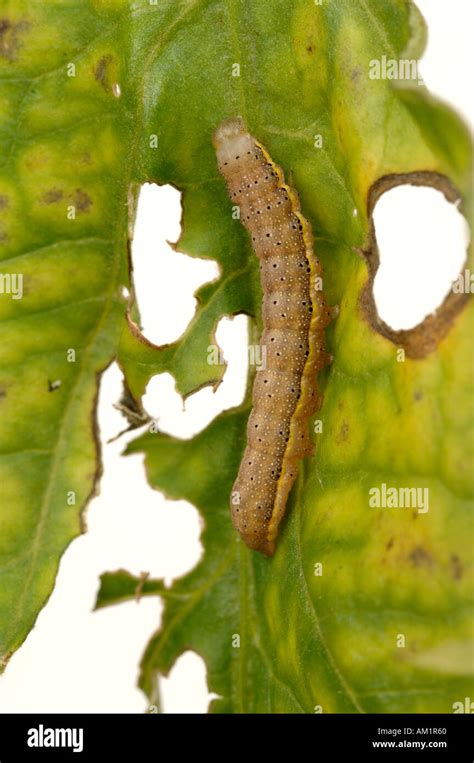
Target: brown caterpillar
<point>295,315</point>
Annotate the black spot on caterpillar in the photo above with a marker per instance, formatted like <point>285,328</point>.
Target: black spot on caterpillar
<point>295,314</point>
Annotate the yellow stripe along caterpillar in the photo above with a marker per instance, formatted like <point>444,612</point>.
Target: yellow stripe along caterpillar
<point>295,314</point>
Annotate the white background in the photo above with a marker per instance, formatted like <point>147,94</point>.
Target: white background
<point>78,661</point>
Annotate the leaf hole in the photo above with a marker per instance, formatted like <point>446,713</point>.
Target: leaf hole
<point>421,239</point>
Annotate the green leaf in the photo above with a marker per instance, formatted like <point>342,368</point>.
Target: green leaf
<point>63,229</point>
<point>122,586</point>
<point>275,636</point>
<point>385,627</point>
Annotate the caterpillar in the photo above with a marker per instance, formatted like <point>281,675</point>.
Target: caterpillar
<point>294,313</point>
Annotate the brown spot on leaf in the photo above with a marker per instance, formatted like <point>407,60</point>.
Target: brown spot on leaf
<point>389,544</point>
<point>85,158</point>
<point>3,393</point>
<point>10,37</point>
<point>418,395</point>
<point>424,338</point>
<point>419,557</point>
<point>100,71</point>
<point>3,201</point>
<point>457,568</point>
<point>51,196</point>
<point>343,432</point>
<point>81,200</point>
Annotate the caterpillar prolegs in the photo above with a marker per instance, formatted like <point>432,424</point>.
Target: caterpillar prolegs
<point>295,314</point>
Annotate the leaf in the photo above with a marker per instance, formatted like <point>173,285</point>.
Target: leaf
<point>80,140</point>
<point>122,586</point>
<point>63,231</point>
<point>384,628</point>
